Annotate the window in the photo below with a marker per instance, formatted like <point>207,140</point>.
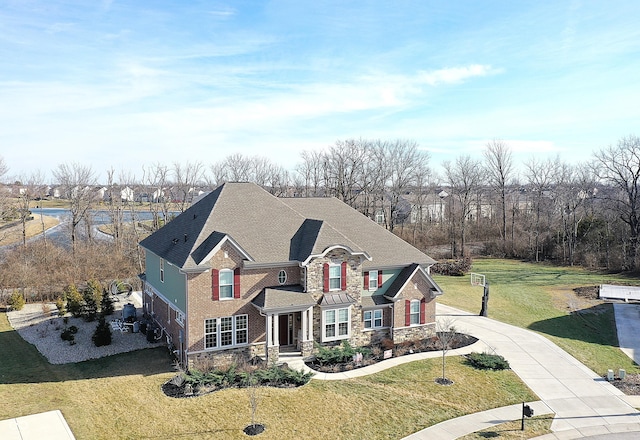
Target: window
<point>415,312</point>
<point>336,324</point>
<point>373,280</point>
<point>334,277</point>
<point>210,333</point>
<point>373,318</point>
<point>380,217</point>
<point>162,270</point>
<point>227,331</point>
<point>282,277</point>
<point>226,283</point>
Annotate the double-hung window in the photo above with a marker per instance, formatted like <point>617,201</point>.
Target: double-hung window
<point>162,270</point>
<point>336,324</point>
<point>415,312</point>
<point>334,277</point>
<point>373,280</point>
<point>373,318</point>
<point>227,331</point>
<point>226,283</point>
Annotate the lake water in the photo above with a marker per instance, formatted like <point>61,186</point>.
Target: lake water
<point>61,233</point>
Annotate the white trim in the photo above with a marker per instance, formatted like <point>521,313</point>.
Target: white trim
<point>373,319</point>
<point>333,266</point>
<point>218,332</point>
<point>282,271</point>
<point>369,288</point>
<point>220,272</point>
<point>411,313</point>
<point>337,322</point>
<point>330,248</point>
<point>224,239</point>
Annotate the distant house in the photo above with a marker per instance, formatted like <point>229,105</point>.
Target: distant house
<point>242,272</point>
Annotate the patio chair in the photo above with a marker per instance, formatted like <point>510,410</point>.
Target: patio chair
<point>118,325</point>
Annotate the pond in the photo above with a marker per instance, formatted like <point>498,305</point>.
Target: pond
<point>61,235</point>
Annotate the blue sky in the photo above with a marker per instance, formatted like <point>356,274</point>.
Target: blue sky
<point>126,83</point>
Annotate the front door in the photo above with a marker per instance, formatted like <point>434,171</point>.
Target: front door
<point>285,329</point>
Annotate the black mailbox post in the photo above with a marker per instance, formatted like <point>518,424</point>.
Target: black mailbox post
<point>527,411</point>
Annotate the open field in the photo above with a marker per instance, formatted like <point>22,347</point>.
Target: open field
<point>541,297</point>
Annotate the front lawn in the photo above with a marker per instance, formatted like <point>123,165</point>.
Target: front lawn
<point>121,397</point>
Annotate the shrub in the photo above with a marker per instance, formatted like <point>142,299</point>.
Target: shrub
<point>67,335</point>
<point>106,304</point>
<point>74,300</point>
<point>60,306</point>
<point>102,335</point>
<point>89,306</point>
<point>16,301</point>
<point>452,267</point>
<point>486,361</point>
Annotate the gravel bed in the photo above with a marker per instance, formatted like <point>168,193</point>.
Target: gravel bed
<point>40,325</point>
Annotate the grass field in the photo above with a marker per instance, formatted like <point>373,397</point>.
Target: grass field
<point>120,396</point>
<point>540,297</point>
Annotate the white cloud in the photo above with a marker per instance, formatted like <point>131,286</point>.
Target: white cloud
<point>454,75</point>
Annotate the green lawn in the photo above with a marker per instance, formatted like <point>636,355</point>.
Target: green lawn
<point>538,297</point>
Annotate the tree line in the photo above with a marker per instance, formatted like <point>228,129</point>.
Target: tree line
<point>543,209</point>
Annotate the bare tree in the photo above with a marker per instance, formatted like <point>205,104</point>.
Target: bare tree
<point>405,162</point>
<point>464,177</point>
<point>499,166</point>
<point>156,180</point>
<point>185,180</point>
<point>619,166</point>
<point>310,173</point>
<point>32,188</point>
<point>446,335</point>
<point>77,182</point>
<point>540,175</point>
<point>115,208</point>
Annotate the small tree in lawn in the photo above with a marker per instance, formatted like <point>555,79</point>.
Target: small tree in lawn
<point>252,389</point>
<point>102,335</point>
<point>446,335</point>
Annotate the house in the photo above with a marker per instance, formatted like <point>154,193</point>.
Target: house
<point>242,272</point>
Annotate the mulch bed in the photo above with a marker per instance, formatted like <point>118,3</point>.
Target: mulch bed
<point>630,385</point>
<point>402,349</point>
<point>588,292</point>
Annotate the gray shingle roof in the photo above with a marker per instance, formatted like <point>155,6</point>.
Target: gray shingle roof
<point>275,230</point>
<point>273,298</point>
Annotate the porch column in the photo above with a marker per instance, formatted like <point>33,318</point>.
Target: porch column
<point>269,330</point>
<point>304,326</point>
<point>310,324</point>
<point>276,323</point>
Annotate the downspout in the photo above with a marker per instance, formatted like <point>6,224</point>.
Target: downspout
<point>185,343</point>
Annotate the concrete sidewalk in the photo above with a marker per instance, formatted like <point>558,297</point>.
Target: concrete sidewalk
<point>49,425</point>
